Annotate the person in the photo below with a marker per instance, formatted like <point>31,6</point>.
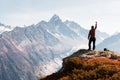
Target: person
<point>91,36</point>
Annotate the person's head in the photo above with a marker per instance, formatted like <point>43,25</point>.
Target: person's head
<point>92,27</point>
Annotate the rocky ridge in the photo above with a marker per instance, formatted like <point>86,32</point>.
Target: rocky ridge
<point>86,65</point>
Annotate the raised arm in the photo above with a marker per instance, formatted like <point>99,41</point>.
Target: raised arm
<point>96,25</point>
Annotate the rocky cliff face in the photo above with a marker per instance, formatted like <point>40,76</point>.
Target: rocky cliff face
<point>89,65</point>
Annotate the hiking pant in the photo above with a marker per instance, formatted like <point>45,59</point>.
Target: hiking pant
<point>92,39</point>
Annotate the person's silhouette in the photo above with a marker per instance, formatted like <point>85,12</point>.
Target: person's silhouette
<point>91,36</point>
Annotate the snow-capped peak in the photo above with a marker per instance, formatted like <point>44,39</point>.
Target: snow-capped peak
<point>1,24</point>
<point>55,18</point>
<point>4,28</point>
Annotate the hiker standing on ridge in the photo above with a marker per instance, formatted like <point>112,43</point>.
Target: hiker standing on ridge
<point>91,36</point>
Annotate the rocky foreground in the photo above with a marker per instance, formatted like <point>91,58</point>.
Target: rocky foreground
<point>89,65</point>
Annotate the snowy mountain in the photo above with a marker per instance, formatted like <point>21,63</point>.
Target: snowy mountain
<point>112,43</point>
<point>4,28</point>
<point>27,53</point>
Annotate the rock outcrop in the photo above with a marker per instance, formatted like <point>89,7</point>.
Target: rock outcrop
<point>89,65</point>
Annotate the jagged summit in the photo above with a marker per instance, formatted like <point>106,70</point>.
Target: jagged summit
<point>55,19</point>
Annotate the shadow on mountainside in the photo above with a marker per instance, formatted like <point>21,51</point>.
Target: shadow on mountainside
<point>89,65</point>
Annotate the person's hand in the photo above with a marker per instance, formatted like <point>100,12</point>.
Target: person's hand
<point>96,22</point>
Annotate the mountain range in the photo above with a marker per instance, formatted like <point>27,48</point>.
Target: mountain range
<point>27,53</point>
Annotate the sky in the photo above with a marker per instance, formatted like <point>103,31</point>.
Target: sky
<point>83,12</point>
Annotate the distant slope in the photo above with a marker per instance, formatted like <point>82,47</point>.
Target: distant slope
<point>112,43</point>
<point>89,65</point>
